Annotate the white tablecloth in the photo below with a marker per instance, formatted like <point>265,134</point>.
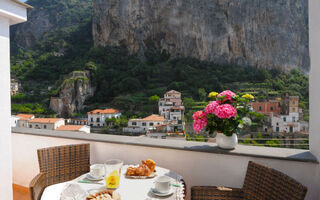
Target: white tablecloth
<point>130,189</point>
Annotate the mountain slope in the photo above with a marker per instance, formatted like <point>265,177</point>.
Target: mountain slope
<point>48,17</point>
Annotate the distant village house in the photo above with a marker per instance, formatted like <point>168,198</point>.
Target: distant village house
<point>79,128</point>
<point>46,123</point>
<point>97,117</point>
<point>283,114</point>
<point>145,124</point>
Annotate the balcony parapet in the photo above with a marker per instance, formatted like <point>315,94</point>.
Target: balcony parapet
<point>241,150</point>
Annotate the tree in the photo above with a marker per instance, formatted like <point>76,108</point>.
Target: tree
<point>154,99</point>
<point>202,94</point>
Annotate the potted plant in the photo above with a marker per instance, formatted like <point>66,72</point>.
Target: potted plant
<point>225,115</point>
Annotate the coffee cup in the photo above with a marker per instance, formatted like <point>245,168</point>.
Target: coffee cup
<point>97,170</point>
<point>163,184</point>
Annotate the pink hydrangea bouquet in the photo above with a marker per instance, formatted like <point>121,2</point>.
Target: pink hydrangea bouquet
<point>226,113</point>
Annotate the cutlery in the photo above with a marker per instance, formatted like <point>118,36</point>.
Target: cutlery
<point>90,182</point>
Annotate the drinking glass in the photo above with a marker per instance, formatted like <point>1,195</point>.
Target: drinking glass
<point>113,173</point>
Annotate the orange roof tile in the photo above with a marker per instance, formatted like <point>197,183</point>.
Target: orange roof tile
<point>69,127</point>
<point>105,111</point>
<point>25,116</point>
<point>45,120</point>
<point>151,118</point>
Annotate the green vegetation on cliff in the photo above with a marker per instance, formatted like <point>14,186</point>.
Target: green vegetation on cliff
<point>129,82</point>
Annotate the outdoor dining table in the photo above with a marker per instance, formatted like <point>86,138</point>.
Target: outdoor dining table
<point>129,189</point>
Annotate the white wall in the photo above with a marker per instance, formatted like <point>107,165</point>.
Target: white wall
<point>314,44</point>
<point>197,168</point>
<point>5,112</point>
<point>85,129</point>
<point>13,11</point>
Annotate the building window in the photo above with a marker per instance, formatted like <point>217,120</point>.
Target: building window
<point>260,108</point>
<point>151,124</point>
<point>134,123</point>
<point>293,102</point>
<point>291,129</point>
<point>98,119</point>
<point>293,119</point>
<point>98,124</point>
<point>284,119</point>
<point>91,119</point>
<point>277,129</point>
<point>144,124</point>
<point>277,124</point>
<point>271,108</point>
<point>293,109</point>
<point>45,126</point>
<point>30,126</point>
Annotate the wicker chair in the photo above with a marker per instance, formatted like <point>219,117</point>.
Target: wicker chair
<point>261,183</point>
<point>59,164</point>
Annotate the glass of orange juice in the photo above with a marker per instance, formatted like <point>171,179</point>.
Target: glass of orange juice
<point>113,173</point>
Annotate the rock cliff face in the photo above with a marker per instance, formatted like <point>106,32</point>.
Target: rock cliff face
<point>47,17</point>
<point>73,93</point>
<point>263,33</point>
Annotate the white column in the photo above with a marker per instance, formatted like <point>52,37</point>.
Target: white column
<point>314,42</point>
<point>5,129</point>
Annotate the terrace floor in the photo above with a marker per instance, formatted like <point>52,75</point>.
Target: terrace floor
<point>20,193</point>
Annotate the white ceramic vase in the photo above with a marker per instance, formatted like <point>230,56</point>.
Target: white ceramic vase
<point>226,142</point>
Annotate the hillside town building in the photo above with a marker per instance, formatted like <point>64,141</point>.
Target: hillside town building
<point>169,120</point>
<point>282,114</point>
<point>14,87</point>
<point>79,128</point>
<point>46,123</point>
<point>23,120</point>
<point>145,124</point>
<point>98,117</point>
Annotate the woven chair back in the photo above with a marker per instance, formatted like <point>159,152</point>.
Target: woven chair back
<point>64,163</point>
<point>264,183</point>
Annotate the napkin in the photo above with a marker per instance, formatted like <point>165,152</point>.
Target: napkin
<point>73,191</point>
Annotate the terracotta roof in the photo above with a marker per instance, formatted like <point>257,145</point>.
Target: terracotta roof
<point>45,120</point>
<point>21,3</point>
<point>177,108</point>
<point>105,111</point>
<point>151,118</point>
<point>25,116</point>
<point>173,91</point>
<point>69,127</point>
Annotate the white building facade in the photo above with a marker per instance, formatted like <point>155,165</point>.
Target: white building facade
<point>171,107</point>
<point>143,125</point>
<point>45,123</point>
<point>11,12</point>
<point>286,123</point>
<point>98,117</point>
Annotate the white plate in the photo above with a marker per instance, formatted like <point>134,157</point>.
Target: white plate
<point>91,178</point>
<point>155,192</point>
<point>152,175</point>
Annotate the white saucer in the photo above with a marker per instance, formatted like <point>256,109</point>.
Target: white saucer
<point>155,192</point>
<point>91,178</point>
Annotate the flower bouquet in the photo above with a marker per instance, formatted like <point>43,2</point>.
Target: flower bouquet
<point>226,114</point>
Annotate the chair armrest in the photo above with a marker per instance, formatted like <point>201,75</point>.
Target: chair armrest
<point>215,193</point>
<point>37,186</point>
